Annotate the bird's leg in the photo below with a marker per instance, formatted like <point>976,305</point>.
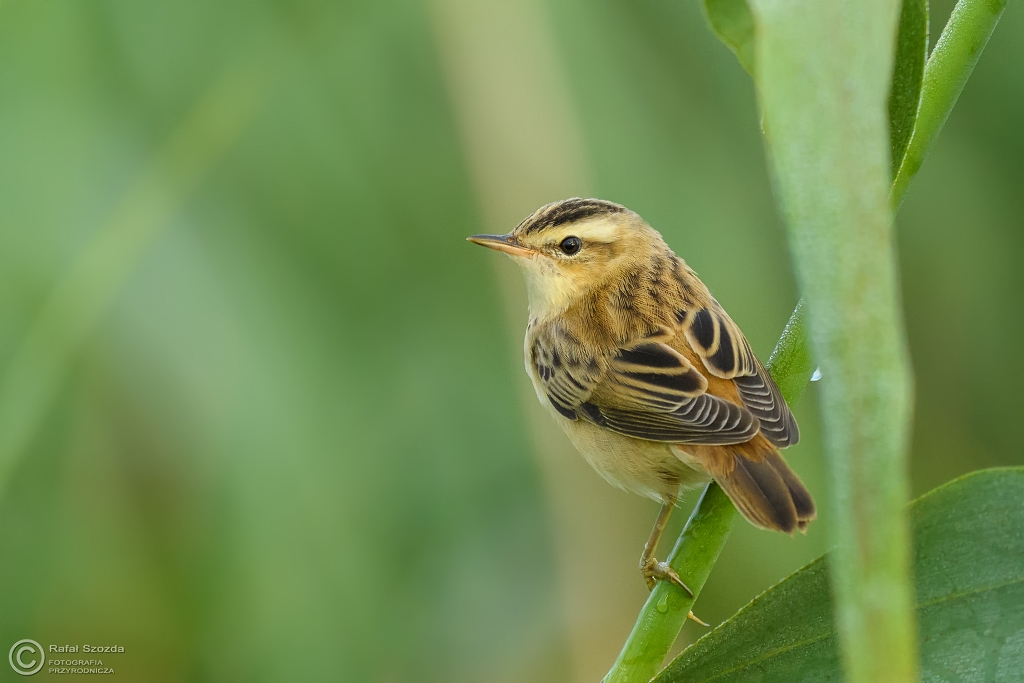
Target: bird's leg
<point>650,567</point>
<point>654,570</point>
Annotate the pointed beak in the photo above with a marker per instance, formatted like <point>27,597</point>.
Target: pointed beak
<point>506,243</point>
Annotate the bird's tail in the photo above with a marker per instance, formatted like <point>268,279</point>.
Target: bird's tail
<point>761,485</point>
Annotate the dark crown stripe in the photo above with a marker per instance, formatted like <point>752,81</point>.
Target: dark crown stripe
<point>568,211</point>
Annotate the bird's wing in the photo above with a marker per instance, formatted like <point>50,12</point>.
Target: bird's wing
<point>725,353</point>
<point>568,371</point>
<point>646,390</point>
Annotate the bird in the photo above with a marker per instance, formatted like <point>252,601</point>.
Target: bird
<point>645,372</point>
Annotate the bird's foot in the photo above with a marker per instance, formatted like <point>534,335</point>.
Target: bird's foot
<point>654,570</point>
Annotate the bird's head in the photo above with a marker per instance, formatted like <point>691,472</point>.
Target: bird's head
<point>569,248</point>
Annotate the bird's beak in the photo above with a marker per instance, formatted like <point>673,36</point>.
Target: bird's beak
<point>506,243</point>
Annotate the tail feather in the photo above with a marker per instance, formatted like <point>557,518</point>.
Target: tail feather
<point>761,485</point>
<point>802,501</point>
<point>761,494</point>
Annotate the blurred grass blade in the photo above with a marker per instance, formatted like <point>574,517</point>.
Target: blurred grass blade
<point>907,72</point>
<point>703,537</point>
<point>950,65</point>
<point>733,24</point>
<point>87,289</point>
<point>968,544</point>
<point>824,85</point>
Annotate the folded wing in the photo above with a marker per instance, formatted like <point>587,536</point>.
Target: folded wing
<point>725,352</point>
<point>646,390</point>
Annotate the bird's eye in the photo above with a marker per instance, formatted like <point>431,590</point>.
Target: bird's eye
<point>570,245</point>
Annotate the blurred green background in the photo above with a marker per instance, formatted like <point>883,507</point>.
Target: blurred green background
<point>262,410</point>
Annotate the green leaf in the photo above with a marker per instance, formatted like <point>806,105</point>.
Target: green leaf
<point>907,74</point>
<point>734,25</point>
<point>968,550</point>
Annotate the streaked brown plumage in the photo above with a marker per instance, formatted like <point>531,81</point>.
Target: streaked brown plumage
<point>644,370</point>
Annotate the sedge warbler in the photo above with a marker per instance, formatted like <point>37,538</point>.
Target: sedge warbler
<point>645,371</point>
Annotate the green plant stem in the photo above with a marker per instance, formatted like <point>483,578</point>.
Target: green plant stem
<point>703,537</point>
<point>664,613</point>
<point>945,74</point>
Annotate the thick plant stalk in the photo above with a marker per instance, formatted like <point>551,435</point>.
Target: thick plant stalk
<point>824,87</point>
<point>945,75</point>
<point>703,537</point>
